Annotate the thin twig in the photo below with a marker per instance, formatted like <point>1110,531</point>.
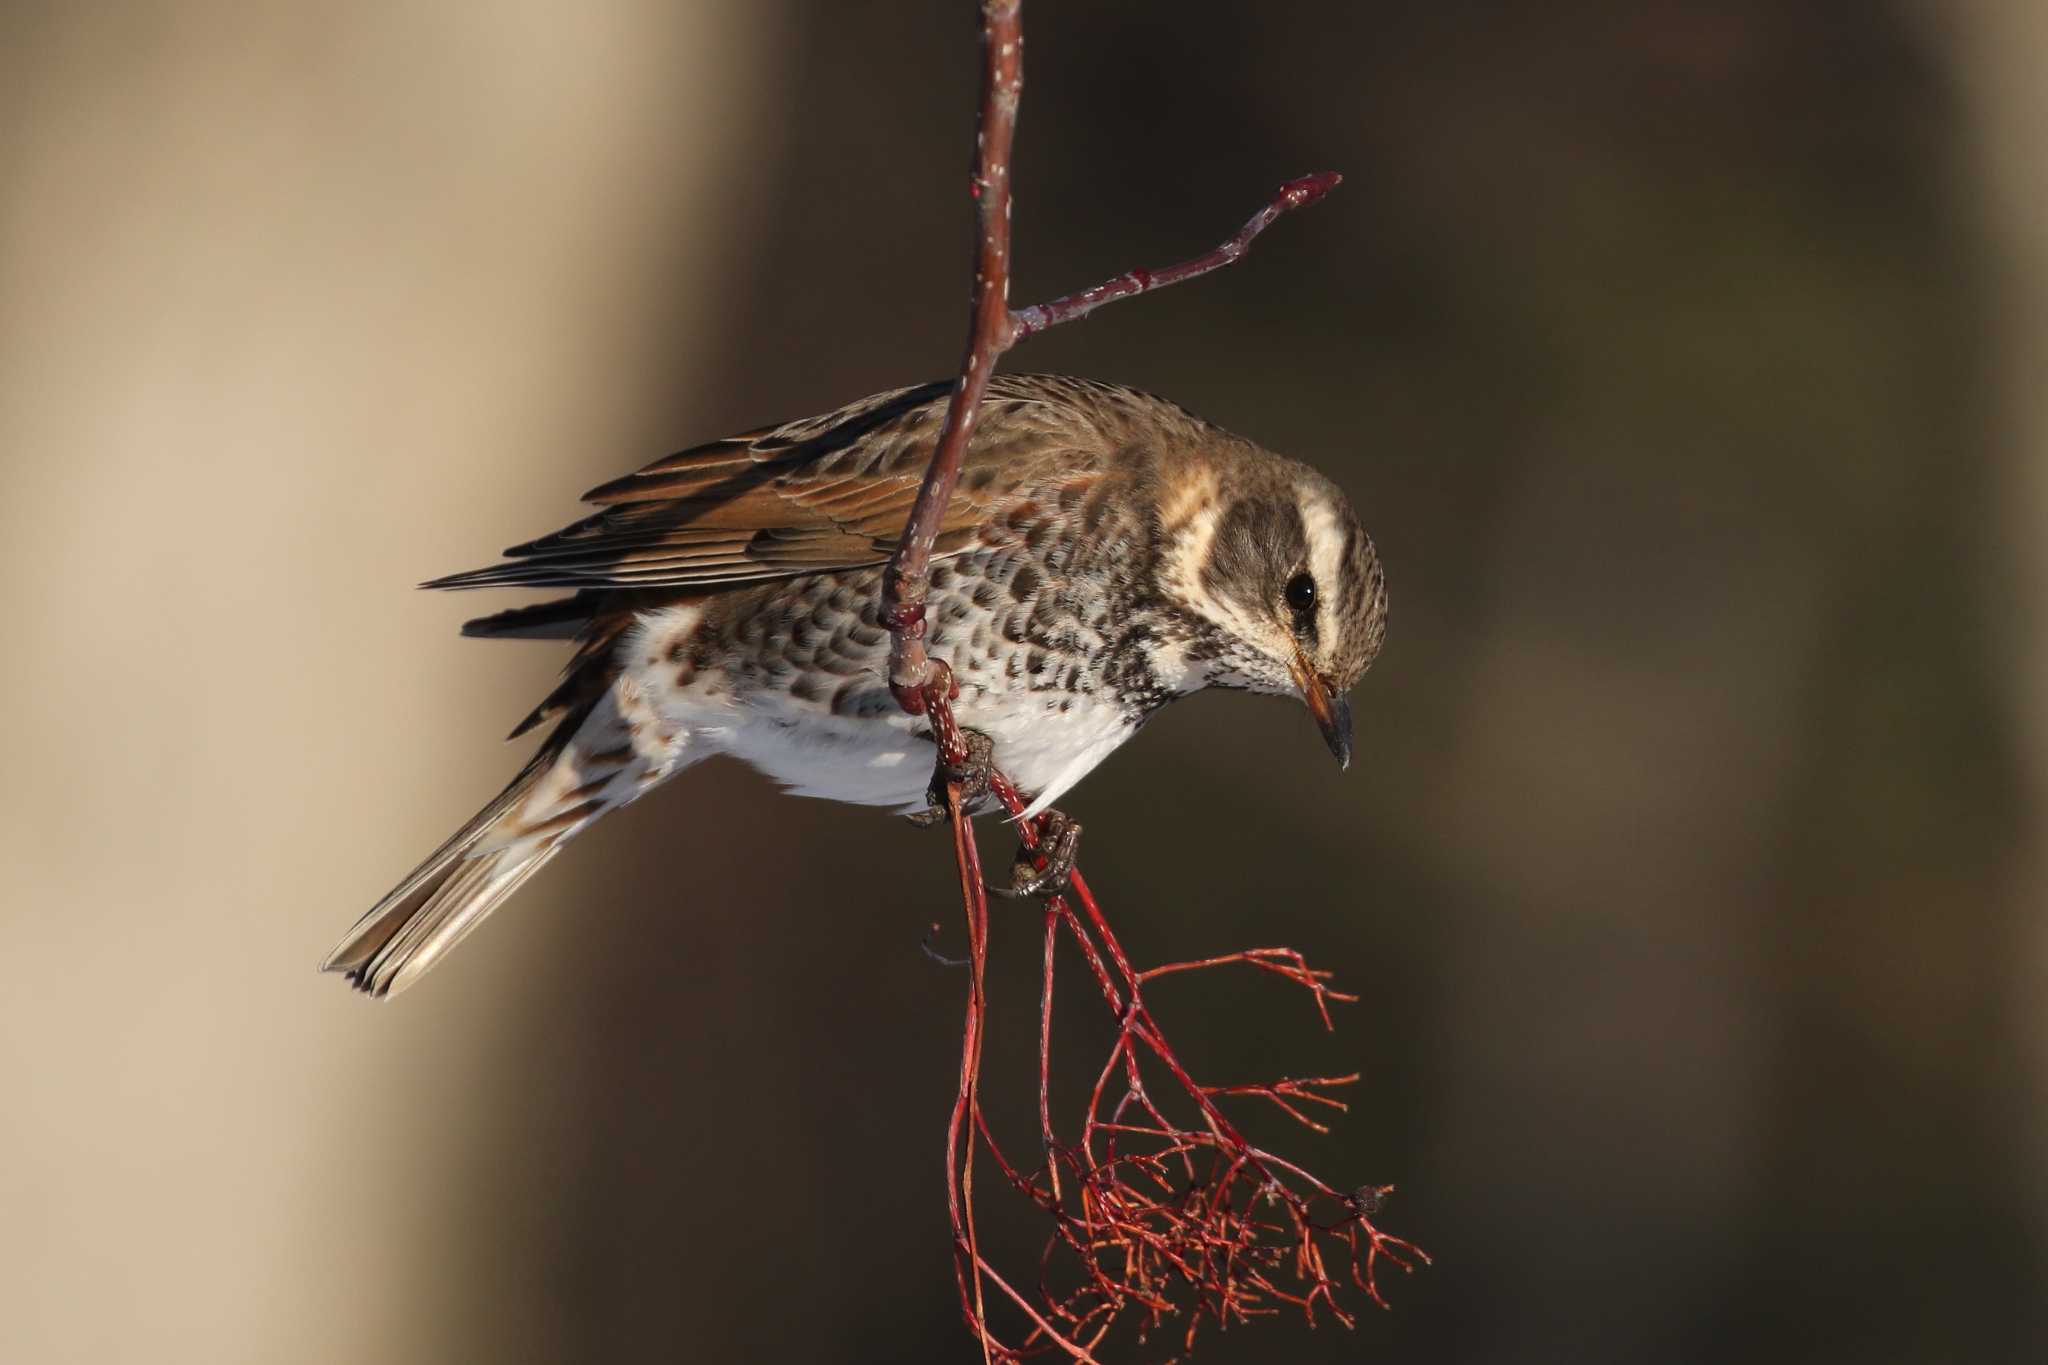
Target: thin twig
<point>1295,194</point>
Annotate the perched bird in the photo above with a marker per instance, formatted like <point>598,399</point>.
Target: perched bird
<point>1105,553</point>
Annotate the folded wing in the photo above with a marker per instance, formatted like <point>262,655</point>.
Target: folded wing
<point>825,493</point>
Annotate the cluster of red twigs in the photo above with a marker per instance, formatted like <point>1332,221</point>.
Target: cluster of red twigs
<point>1158,1220</point>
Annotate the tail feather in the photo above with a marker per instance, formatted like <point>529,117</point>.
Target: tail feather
<point>470,889</point>
<point>595,761</point>
<point>445,896</point>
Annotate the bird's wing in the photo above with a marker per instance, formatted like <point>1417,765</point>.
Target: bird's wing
<point>830,492</point>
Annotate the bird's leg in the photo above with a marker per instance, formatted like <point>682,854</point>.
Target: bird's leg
<point>1059,841</point>
<point>973,774</point>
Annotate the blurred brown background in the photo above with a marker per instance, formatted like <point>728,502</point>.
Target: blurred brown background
<point>1684,358</point>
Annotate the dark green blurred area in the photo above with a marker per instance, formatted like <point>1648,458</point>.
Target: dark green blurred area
<point>1677,873</point>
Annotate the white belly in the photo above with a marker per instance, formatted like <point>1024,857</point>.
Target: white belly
<point>881,759</point>
<point>881,762</point>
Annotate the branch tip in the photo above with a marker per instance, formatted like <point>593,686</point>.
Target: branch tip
<point>1309,189</point>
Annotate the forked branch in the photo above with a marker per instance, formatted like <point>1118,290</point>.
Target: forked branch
<point>1155,1219</point>
<point>994,328</point>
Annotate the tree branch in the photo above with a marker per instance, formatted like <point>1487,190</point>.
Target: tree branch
<point>908,577</point>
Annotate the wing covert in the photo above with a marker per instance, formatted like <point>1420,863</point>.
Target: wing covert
<point>824,493</point>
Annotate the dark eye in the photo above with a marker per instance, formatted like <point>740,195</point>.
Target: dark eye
<point>1301,593</point>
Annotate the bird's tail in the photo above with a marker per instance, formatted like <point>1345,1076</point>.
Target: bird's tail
<point>596,761</point>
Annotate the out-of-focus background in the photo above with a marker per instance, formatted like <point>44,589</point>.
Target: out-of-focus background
<point>1684,358</point>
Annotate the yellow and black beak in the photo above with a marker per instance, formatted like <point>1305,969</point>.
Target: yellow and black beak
<point>1331,709</point>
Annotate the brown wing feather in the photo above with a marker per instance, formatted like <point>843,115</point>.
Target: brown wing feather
<point>825,493</point>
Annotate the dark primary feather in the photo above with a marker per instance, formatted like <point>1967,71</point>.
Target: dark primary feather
<point>561,618</point>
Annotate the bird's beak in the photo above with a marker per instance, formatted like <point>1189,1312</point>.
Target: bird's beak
<point>1331,709</point>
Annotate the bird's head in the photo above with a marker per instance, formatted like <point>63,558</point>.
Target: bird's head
<point>1269,561</point>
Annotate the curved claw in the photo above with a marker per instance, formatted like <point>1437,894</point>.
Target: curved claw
<point>1059,842</point>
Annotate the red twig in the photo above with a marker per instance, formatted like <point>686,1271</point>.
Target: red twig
<point>1286,1089</point>
<point>968,1101</point>
<point>1281,962</point>
<point>1155,1219</point>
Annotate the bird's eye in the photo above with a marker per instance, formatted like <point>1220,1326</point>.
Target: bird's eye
<point>1301,593</point>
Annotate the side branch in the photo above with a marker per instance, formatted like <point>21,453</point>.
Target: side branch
<point>1295,194</point>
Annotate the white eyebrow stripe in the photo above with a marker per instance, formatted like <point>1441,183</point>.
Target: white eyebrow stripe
<point>1184,571</point>
<point>1326,537</point>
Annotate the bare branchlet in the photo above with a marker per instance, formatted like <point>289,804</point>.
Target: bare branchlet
<point>1150,1218</point>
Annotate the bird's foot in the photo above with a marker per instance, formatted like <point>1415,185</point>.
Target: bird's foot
<point>1059,841</point>
<point>974,776</point>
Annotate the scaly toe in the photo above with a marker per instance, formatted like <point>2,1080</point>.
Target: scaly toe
<point>1059,843</point>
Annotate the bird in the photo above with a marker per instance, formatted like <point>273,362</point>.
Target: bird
<point>1105,552</point>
